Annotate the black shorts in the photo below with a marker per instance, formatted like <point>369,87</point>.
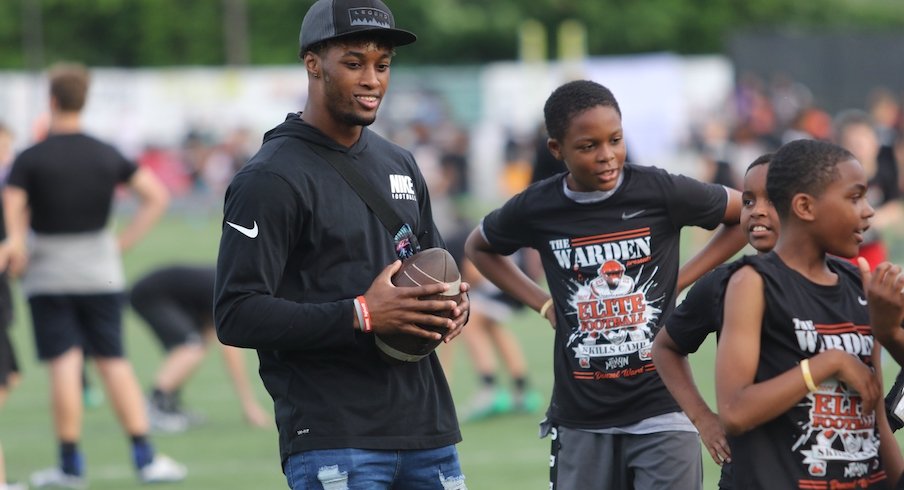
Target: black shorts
<point>8,362</point>
<point>90,321</point>
<point>172,324</point>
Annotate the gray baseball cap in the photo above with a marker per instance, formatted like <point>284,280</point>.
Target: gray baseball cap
<point>330,19</point>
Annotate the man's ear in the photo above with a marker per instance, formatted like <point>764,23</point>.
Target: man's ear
<point>555,148</point>
<point>803,206</point>
<point>312,64</point>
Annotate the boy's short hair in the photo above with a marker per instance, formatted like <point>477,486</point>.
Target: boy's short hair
<point>763,159</point>
<point>69,86</point>
<point>802,166</point>
<point>572,99</point>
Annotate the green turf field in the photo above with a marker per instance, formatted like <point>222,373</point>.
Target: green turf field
<point>501,453</point>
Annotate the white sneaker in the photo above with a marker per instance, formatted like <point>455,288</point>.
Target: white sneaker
<point>13,486</point>
<point>166,422</point>
<point>55,478</point>
<point>162,469</point>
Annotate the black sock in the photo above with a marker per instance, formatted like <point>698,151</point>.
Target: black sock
<point>164,401</point>
<point>488,380</point>
<point>520,384</point>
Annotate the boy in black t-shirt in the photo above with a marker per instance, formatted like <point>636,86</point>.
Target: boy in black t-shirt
<point>608,236</point>
<point>797,371</point>
<point>700,315</point>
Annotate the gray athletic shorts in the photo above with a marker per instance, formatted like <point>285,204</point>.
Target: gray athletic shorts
<point>587,460</point>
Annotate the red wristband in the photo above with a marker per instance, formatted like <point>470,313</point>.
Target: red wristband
<point>365,313</point>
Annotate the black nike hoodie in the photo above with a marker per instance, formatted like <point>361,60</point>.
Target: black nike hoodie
<point>297,246</point>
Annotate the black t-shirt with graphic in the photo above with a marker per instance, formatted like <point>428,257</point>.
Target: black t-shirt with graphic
<point>612,268</point>
<point>826,438</point>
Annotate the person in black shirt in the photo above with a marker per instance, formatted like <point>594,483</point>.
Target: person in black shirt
<point>58,201</point>
<point>304,268</point>
<point>608,237</point>
<point>700,315</point>
<point>798,374</point>
<point>176,301</point>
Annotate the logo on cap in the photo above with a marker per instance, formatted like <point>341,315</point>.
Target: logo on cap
<point>366,16</point>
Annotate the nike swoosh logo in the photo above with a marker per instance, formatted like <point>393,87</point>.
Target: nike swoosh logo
<point>627,216</point>
<point>861,301</point>
<point>248,232</point>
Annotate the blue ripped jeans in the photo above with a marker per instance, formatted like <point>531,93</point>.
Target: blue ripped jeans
<point>360,469</point>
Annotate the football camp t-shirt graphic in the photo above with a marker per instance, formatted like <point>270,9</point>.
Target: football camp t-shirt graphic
<point>611,265</point>
<point>835,429</point>
<point>614,315</point>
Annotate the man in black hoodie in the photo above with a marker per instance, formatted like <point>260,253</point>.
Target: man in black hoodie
<point>304,267</point>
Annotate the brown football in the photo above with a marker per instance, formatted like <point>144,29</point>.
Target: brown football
<point>434,265</point>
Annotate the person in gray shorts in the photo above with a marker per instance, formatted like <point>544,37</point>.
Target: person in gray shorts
<point>608,235</point>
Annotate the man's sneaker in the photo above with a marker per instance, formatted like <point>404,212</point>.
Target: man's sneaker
<point>55,478</point>
<point>162,469</point>
<point>167,422</point>
<point>13,486</point>
<point>194,418</point>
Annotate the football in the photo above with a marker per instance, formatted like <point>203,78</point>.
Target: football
<point>434,265</point>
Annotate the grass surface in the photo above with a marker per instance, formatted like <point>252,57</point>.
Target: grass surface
<point>225,453</point>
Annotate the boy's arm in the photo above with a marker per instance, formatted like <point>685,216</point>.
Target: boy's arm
<point>728,239</point>
<point>154,200</point>
<point>675,371</point>
<point>503,272</point>
<point>743,404</point>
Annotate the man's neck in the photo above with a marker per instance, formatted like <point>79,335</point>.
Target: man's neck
<point>343,134</point>
<point>65,123</point>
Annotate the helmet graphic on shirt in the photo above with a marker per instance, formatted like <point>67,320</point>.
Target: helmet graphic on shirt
<point>612,271</point>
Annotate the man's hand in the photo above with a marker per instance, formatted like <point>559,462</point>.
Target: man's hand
<point>461,313</point>
<point>14,258</point>
<point>397,310</point>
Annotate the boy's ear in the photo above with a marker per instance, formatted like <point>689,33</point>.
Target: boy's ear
<point>803,207</point>
<point>555,148</point>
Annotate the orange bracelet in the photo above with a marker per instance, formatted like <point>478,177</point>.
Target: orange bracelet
<point>365,313</point>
